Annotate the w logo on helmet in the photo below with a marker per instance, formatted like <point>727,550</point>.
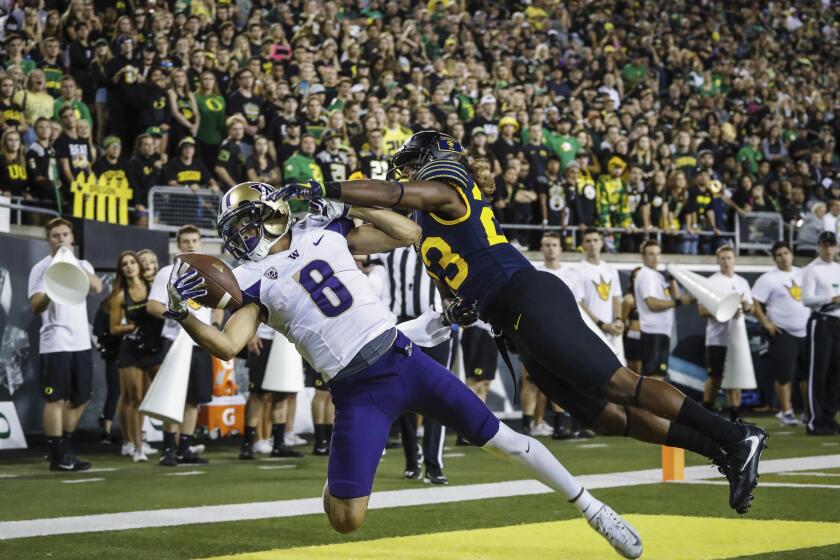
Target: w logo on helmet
<point>449,145</point>
<point>261,188</point>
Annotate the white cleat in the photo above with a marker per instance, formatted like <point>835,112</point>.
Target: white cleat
<point>127,449</point>
<point>139,456</point>
<point>618,532</point>
<point>148,449</point>
<point>293,440</point>
<point>541,430</point>
<point>263,447</point>
<point>196,449</point>
<point>787,418</point>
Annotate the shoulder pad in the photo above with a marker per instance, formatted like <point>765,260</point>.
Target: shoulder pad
<point>449,172</point>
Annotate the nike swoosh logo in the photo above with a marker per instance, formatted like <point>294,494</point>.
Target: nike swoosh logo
<point>516,324</point>
<point>754,441</point>
<point>319,240</point>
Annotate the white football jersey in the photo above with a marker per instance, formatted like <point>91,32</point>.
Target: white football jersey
<point>314,295</point>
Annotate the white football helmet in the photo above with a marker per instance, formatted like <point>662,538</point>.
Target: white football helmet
<point>250,222</point>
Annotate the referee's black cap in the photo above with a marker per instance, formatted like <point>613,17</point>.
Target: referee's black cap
<point>828,238</point>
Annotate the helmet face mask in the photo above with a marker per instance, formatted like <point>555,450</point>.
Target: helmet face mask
<point>420,149</point>
<point>250,224</point>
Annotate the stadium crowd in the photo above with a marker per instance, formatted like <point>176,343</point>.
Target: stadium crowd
<point>616,115</point>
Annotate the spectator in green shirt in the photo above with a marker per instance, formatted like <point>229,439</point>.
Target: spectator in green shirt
<point>563,142</point>
<point>750,155</point>
<point>302,167</point>
<point>69,96</point>
<point>211,109</point>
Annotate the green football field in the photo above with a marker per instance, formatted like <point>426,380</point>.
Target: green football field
<point>269,509</point>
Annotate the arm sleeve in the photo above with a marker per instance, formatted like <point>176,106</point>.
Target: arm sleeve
<point>449,172</point>
<point>647,286</point>
<point>809,290</point>
<point>158,290</point>
<point>761,290</point>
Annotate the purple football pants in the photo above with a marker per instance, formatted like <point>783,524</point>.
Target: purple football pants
<point>367,403</point>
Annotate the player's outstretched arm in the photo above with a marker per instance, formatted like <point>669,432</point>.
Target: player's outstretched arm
<point>429,196</point>
<point>227,343</point>
<point>384,231</point>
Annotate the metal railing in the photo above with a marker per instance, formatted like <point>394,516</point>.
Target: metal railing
<point>654,233</point>
<point>172,207</point>
<point>758,230</point>
<point>17,207</point>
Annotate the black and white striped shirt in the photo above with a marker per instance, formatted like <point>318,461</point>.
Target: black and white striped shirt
<point>405,287</point>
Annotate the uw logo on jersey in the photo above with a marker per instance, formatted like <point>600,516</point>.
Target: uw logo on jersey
<point>295,254</point>
<point>794,290</point>
<point>271,273</point>
<point>603,288</point>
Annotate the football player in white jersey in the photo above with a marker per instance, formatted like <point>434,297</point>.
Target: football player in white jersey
<point>303,282</point>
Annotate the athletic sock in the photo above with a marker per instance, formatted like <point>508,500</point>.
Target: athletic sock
<point>692,440</point>
<point>526,422</point>
<point>558,419</point>
<point>168,440</point>
<point>533,457</point>
<point>184,444</point>
<point>278,431</point>
<point>67,439</point>
<point>587,504</point>
<point>250,435</point>
<point>56,446</point>
<point>328,432</point>
<point>319,433</point>
<point>709,424</point>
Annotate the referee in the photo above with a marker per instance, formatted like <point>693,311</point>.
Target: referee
<point>821,292</point>
<point>408,291</point>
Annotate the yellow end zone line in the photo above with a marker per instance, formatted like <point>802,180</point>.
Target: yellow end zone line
<point>665,537</point>
<point>379,500</point>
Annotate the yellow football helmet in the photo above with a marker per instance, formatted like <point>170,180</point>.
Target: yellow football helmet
<point>251,221</point>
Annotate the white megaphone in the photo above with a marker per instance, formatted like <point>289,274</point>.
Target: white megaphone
<point>284,368</point>
<point>738,372</point>
<point>721,304</point>
<point>65,280</point>
<point>168,392</point>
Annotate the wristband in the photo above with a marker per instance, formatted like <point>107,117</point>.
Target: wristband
<point>332,189</point>
<point>402,192</point>
<point>176,316</point>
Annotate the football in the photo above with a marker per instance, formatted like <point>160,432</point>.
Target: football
<point>222,288</point>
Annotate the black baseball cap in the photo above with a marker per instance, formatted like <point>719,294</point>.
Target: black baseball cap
<point>828,238</point>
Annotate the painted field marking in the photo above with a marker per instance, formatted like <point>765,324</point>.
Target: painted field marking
<point>81,480</point>
<point>808,473</point>
<point>574,540</point>
<point>185,473</point>
<point>275,467</point>
<point>379,500</point>
<point>9,475</point>
<point>830,444</point>
<point>101,469</point>
<point>765,484</point>
<point>453,455</point>
<point>591,445</point>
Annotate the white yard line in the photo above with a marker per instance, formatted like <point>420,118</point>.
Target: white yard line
<point>453,455</point>
<point>379,500</point>
<point>591,446</point>
<point>101,469</point>
<point>9,475</point>
<point>766,484</point>
<point>275,467</point>
<point>80,480</point>
<point>809,473</point>
<point>185,473</point>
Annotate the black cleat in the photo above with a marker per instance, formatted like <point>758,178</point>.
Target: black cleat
<point>412,473</point>
<point>246,452</point>
<point>461,442</point>
<point>741,466</point>
<point>190,458</point>
<point>284,451</point>
<point>821,431</point>
<point>78,465</point>
<point>66,464</point>
<point>167,458</point>
<point>435,478</point>
<point>321,448</point>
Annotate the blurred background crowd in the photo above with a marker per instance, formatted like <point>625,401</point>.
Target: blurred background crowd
<point>625,116</point>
